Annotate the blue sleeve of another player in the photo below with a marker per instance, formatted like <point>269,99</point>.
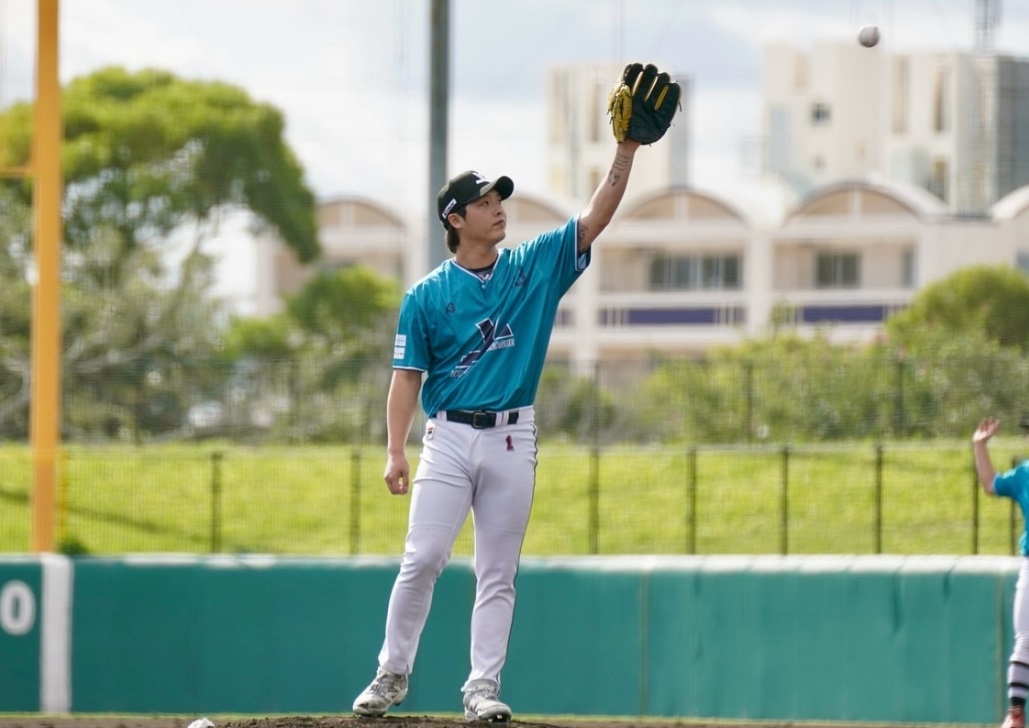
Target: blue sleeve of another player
<point>1012,484</point>
<point>411,347</point>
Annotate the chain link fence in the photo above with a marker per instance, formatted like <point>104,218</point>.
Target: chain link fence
<point>821,395</point>
<point>814,455</point>
<point>899,498</point>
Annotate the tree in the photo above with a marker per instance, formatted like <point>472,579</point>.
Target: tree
<point>575,406</point>
<point>15,312</point>
<point>987,299</point>
<point>330,350</point>
<point>350,311</point>
<point>159,152</point>
<point>146,157</point>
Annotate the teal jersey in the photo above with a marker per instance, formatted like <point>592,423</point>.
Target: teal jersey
<point>1014,484</point>
<point>482,343</point>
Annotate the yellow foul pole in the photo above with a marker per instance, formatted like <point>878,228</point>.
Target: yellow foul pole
<point>46,308</point>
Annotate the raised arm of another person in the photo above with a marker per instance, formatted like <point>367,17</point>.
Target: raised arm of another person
<point>983,464</point>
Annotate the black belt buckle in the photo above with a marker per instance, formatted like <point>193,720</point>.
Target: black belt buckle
<point>482,420</point>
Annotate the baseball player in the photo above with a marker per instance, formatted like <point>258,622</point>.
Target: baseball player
<point>1013,484</point>
<point>477,330</point>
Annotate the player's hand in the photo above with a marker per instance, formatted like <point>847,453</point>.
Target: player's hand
<point>398,474</point>
<point>987,429</point>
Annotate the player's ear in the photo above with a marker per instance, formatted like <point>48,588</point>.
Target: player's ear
<point>456,218</point>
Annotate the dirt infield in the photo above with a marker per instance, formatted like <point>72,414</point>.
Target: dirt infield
<point>397,721</point>
<point>393,721</point>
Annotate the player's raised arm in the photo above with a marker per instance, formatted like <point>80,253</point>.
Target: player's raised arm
<point>983,465</point>
<point>641,107</point>
<point>607,196</point>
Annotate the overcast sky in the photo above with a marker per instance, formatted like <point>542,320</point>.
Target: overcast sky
<point>351,75</point>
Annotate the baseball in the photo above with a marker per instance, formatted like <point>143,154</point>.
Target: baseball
<point>868,36</point>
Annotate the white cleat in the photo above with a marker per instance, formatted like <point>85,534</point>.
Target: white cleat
<point>481,703</point>
<point>387,689</point>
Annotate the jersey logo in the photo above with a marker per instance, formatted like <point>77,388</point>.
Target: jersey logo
<point>521,279</point>
<point>493,337</point>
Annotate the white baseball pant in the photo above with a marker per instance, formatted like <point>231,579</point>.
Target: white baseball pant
<point>492,473</point>
<point>1018,666</point>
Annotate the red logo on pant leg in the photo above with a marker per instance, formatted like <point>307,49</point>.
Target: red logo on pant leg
<point>510,444</point>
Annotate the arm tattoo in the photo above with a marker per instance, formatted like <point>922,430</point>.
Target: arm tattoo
<point>583,232</point>
<point>618,168</point>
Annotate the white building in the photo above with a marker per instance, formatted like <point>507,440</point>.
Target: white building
<point>680,271</point>
<point>864,137</point>
<point>953,123</point>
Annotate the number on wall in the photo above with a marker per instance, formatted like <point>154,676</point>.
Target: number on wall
<point>17,608</point>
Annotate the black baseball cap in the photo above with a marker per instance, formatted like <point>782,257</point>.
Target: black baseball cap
<point>465,188</point>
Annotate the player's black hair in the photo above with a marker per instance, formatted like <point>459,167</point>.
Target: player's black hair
<point>451,234</point>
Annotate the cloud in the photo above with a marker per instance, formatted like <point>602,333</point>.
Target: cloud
<point>17,50</point>
<point>510,142</point>
<point>351,75</point>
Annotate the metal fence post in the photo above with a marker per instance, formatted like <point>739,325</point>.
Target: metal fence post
<point>878,498</point>
<point>975,507</point>
<point>594,500</point>
<point>898,400</point>
<point>691,501</point>
<point>216,502</point>
<point>748,373</point>
<point>784,514</point>
<point>594,472</point>
<point>355,501</point>
<point>294,395</point>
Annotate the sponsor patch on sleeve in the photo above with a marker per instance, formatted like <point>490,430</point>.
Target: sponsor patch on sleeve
<point>400,346</point>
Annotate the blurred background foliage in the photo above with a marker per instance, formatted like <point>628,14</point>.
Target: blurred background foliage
<point>152,161</point>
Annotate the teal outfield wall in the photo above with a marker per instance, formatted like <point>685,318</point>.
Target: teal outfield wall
<point>892,639</point>
<point>20,646</point>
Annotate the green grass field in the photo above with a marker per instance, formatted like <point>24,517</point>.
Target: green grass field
<point>202,498</point>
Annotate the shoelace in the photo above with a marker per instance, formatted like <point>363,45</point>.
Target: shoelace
<point>385,684</point>
<point>481,694</point>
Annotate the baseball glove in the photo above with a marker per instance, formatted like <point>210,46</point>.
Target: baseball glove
<point>643,103</point>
